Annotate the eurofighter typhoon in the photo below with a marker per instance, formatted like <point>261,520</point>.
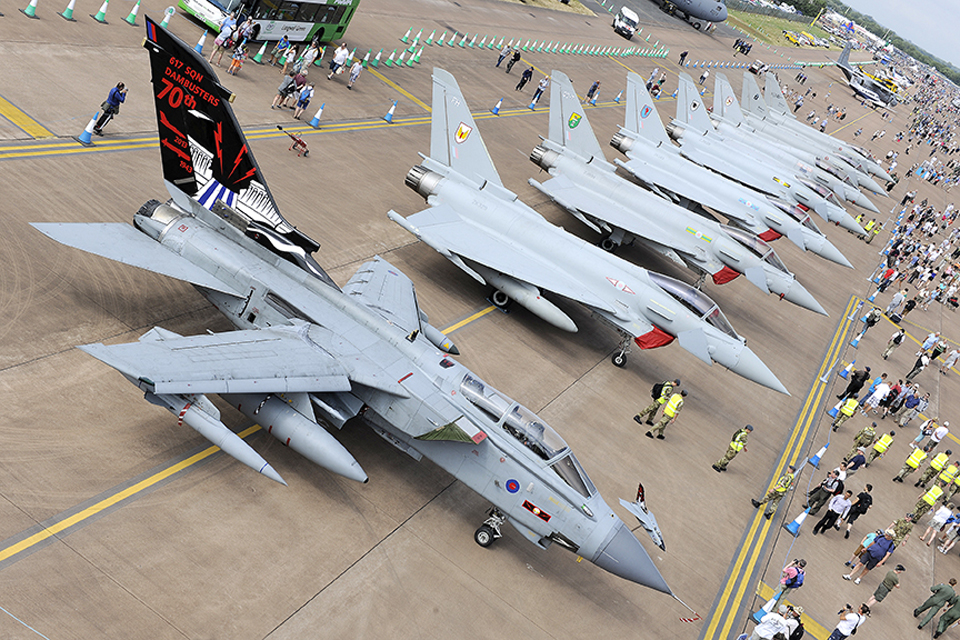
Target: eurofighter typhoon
<point>588,186</point>
<point>306,352</point>
<point>484,229</point>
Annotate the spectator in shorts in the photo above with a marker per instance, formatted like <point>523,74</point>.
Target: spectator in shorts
<point>939,519</point>
<point>339,59</point>
<point>282,45</point>
<point>873,556</point>
<point>286,87</point>
<point>890,582</point>
<point>951,531</point>
<point>236,60</point>
<point>303,100</point>
<point>354,73</point>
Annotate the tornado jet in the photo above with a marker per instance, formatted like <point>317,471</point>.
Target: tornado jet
<point>306,357</point>
<point>588,187</point>
<point>658,165</point>
<point>485,230</point>
<point>740,163</point>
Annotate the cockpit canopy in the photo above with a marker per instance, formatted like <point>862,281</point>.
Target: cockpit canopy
<point>756,246</point>
<point>795,212</point>
<point>530,430</point>
<point>821,191</point>
<point>697,302</point>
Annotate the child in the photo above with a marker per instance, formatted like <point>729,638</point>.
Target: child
<point>354,73</point>
<point>236,62</point>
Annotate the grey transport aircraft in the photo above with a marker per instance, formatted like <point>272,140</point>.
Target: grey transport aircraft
<point>485,230</point>
<point>306,352</point>
<point>588,187</point>
<point>696,12</point>
<point>658,165</point>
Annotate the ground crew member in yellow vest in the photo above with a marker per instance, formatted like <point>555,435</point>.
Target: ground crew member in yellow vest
<point>864,438</point>
<point>936,466</point>
<point>867,227</point>
<point>738,444</point>
<point>670,412</point>
<point>874,232</point>
<point>650,412</point>
<point>880,446</point>
<point>948,475</point>
<point>926,502</point>
<point>847,409</point>
<point>775,495</point>
<point>954,488</point>
<point>912,464</point>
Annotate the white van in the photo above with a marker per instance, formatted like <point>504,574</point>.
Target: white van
<point>626,22</point>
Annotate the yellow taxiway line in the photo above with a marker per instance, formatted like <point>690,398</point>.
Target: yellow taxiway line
<point>725,613</point>
<point>24,122</point>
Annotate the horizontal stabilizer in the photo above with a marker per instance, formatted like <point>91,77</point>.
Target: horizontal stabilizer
<point>123,243</point>
<point>271,360</point>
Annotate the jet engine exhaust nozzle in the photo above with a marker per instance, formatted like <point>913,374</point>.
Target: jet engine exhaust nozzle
<point>422,180</point>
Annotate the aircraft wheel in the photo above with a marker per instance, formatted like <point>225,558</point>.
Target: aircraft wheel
<point>697,26</point>
<point>608,245</point>
<point>619,359</point>
<point>500,300</point>
<point>484,536</point>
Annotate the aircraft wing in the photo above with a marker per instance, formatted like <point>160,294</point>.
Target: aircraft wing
<point>444,229</point>
<point>123,243</point>
<point>386,291</point>
<point>567,192</point>
<point>274,360</point>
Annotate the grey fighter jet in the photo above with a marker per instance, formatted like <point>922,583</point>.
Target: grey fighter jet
<point>863,84</point>
<point>485,230</point>
<point>305,352</point>
<point>659,165</point>
<point>766,110</point>
<point>730,122</point>
<point>738,163</point>
<point>587,186</point>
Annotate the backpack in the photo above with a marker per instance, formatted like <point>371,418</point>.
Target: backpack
<point>797,633</point>
<point>898,339</point>
<point>656,391</point>
<point>796,581</point>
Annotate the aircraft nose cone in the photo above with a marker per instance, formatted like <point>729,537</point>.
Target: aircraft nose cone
<point>624,556</point>
<point>751,367</point>
<point>867,182</point>
<point>864,202</point>
<point>848,223</point>
<point>830,252</point>
<point>798,295</point>
<point>722,13</point>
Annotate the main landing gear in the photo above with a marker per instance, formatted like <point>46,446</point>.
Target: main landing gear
<point>489,531</point>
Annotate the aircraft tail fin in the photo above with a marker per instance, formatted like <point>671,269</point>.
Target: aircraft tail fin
<point>568,121</point>
<point>844,60</point>
<point>725,102</point>
<point>773,95</point>
<point>690,109</point>
<point>642,116</point>
<point>204,153</point>
<point>750,96</point>
<point>454,140</point>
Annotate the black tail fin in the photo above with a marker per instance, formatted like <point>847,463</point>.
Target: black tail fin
<point>204,153</point>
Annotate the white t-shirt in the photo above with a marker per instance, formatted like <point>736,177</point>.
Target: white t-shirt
<point>940,433</point>
<point>849,623</point>
<point>770,625</point>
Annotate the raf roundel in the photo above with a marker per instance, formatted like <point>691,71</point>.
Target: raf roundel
<point>512,485</point>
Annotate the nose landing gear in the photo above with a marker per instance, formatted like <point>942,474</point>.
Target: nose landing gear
<point>489,531</point>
